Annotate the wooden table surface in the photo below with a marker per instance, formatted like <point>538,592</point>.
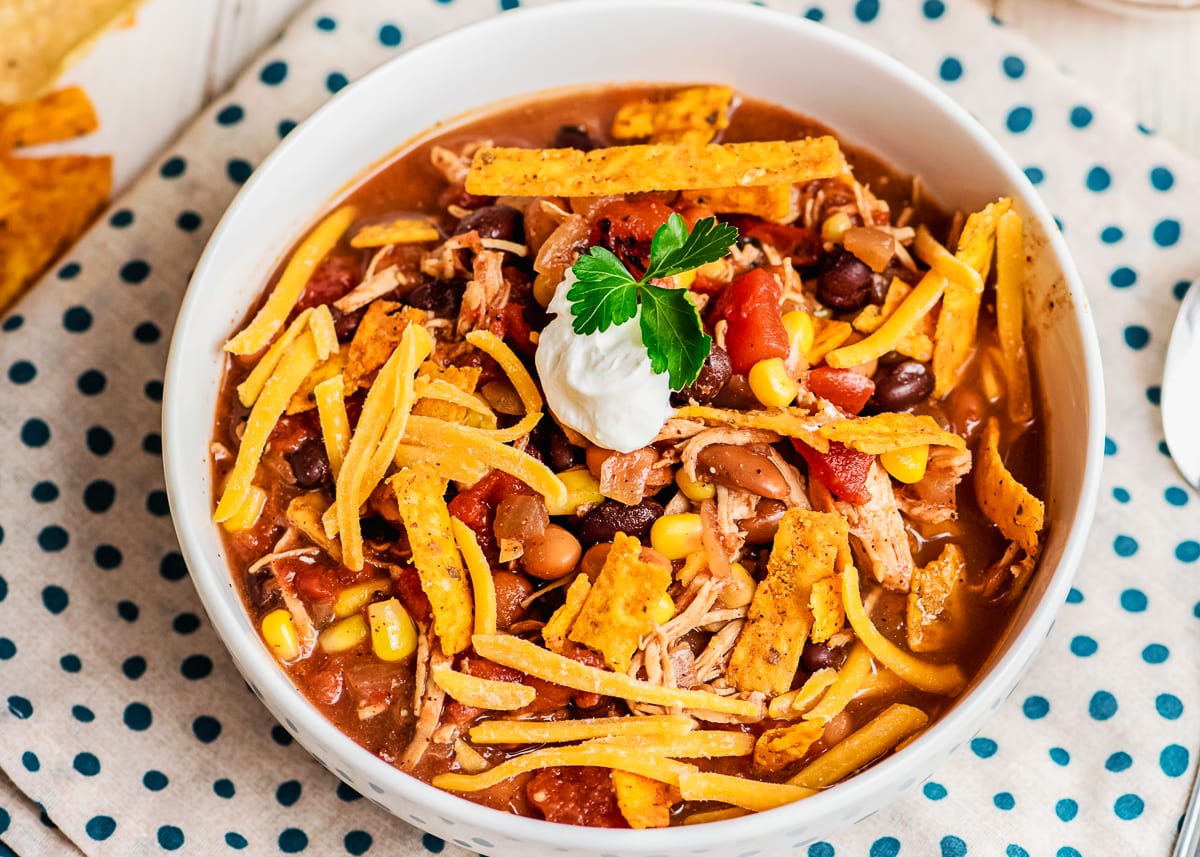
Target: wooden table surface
<point>185,53</point>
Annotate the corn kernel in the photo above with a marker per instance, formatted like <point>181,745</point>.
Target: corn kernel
<point>676,536</point>
<point>662,610</point>
<point>800,330</point>
<point>771,384</point>
<point>739,591</point>
<point>343,635</point>
<point>582,489</point>
<point>694,490</point>
<point>906,465</point>
<point>544,287</point>
<point>279,631</point>
<point>835,226</point>
<point>354,598</point>
<point>248,512</point>
<point>393,634</point>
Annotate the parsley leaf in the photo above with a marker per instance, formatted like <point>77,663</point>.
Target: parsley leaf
<point>605,294</point>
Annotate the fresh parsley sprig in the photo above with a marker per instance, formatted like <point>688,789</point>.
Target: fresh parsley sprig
<point>605,294</point>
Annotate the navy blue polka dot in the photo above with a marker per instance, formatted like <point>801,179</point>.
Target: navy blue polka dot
<point>280,735</point>
<point>235,840</point>
<point>1161,178</point>
<point>1155,653</point>
<point>347,794</point>
<point>1180,289</point>
<point>1103,705</point>
<point>1036,707</point>
<point>335,81</point>
<point>934,791</point>
<point>1059,756</point>
<point>293,841</point>
<point>91,383</point>
<point>173,168</point>
<point>1137,337</point>
<point>45,492</point>
<point>30,762</point>
<point>1081,117</point>
<point>185,623</point>
<point>100,827</point>
<point>135,271</point>
<point>390,35</point>
<point>1134,600</point>
<point>357,842</point>
<point>1098,179</point>
<point>224,788</point>
<point>238,170</point>
<point>137,717</point>
<point>154,391</point>
<point>1122,277</point>
<point>134,667</point>
<point>35,433</point>
<point>152,443</point>
<point>172,567</point>
<point>1128,807</point>
<point>1019,119</point>
<point>107,557</point>
<point>1111,234</point>
<point>285,127</point>
<point>170,838</point>
<point>1168,705</point>
<point>20,707</point>
<point>1067,851</point>
<point>951,69</point>
<point>933,9</point>
<point>77,319</point>
<point>121,219</point>
<point>86,764</point>
<point>12,323</point>
<point>128,611</point>
<point>1004,800</point>
<point>82,713</point>
<point>326,23</point>
<point>1013,66</point>
<point>1015,851</point>
<point>188,221</point>
<point>1173,760</point>
<point>99,440</point>
<point>984,748</point>
<point>887,846</point>
<point>1035,175</point>
<point>231,114</point>
<point>70,663</point>
<point>22,372</point>
<point>8,649</point>
<point>157,504</point>
<point>288,793</point>
<point>1187,551</point>
<point>55,599</point>
<point>206,729</point>
<point>155,781</point>
<point>273,73</point>
<point>815,13</point>
<point>98,496</point>
<point>1083,646</point>
<point>196,667</point>
<point>509,5</point>
<point>69,271</point>
<point>1125,546</point>
<point>1167,232</point>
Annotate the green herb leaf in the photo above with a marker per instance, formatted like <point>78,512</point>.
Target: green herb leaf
<point>673,335</point>
<point>670,254</point>
<point>604,293</point>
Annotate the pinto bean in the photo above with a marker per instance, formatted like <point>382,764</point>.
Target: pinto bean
<point>511,590</point>
<point>607,519</point>
<point>762,526</point>
<point>552,554</point>
<point>738,467</point>
<point>594,559</point>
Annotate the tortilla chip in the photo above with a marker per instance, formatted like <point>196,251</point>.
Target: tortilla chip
<point>406,230</point>
<point>778,748</point>
<point>644,802</point>
<point>617,611</point>
<point>932,586</point>
<point>889,431</point>
<point>796,702</point>
<point>826,605</point>
<point>692,116</point>
<point>789,422</point>
<point>305,398</point>
<point>808,547</point>
<point>777,203</point>
<point>57,116</point>
<point>377,336</point>
<point>462,378</point>
<point>554,632</point>
<point>638,169</point>
<point>975,242</point>
<point>420,494</point>
<point>1006,502</point>
<point>45,204</point>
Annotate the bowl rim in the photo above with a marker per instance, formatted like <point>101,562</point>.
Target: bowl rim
<point>210,577</point>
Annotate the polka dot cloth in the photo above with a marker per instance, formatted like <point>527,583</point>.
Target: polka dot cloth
<point>124,727</point>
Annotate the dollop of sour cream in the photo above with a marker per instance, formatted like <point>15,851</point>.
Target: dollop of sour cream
<point>601,383</point>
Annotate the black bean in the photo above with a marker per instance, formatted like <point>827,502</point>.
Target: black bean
<point>310,464</point>
<point>603,523</point>
<point>563,455</point>
<point>901,385</point>
<point>346,323</point>
<point>844,284</point>
<point>574,137</point>
<point>818,656</point>
<point>262,590</point>
<point>441,297</point>
<point>494,221</point>
<point>714,375</point>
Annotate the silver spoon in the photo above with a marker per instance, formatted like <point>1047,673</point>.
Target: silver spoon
<point>1181,419</point>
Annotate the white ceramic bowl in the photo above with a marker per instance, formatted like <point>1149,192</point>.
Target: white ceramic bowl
<point>869,100</point>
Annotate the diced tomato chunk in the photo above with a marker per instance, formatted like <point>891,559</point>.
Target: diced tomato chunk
<point>476,506</point>
<point>316,583</point>
<point>755,332</point>
<point>627,228</point>
<point>802,245</point>
<point>412,596</point>
<point>580,796</point>
<point>332,279</point>
<point>845,388</point>
<point>842,470</point>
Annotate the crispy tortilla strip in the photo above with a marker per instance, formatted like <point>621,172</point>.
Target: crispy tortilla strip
<point>380,331</point>
<point>324,333</point>
<point>826,605</point>
<point>312,250</point>
<point>616,757</point>
<point>556,731</point>
<point>896,328</point>
<point>45,204</point>
<point>1010,315</point>
<point>829,335</point>
<point>483,692</point>
<point>420,496</point>
<point>777,748</point>
<point>284,381</point>
<point>522,655</point>
<point>645,803</point>
<point>249,390</point>
<point>638,169</point>
<point>693,115</point>
<point>850,679</point>
<point>778,203</point>
<point>789,422</point>
<point>476,445</point>
<point>518,375</point>
<point>808,547</point>
<point>737,791</point>
<point>305,399</point>
<point>554,632</point>
<point>860,748</point>
<point>616,613</point>
<point>942,679</point>
<point>932,586</point>
<point>796,702</point>
<point>406,230</point>
<point>335,425</point>
<point>56,116</point>
<point>975,241</point>
<point>1006,502</point>
<point>445,462</point>
<point>482,585</point>
<point>888,431</point>
<point>933,254</point>
<point>304,513</point>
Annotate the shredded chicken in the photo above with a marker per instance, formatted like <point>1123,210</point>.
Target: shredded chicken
<point>797,497</point>
<point>705,595</point>
<point>733,505</point>
<point>376,285</point>
<point>933,500</point>
<point>428,698</point>
<point>683,664</point>
<point>444,261</point>
<point>486,293</point>
<point>624,475</point>
<point>679,429</point>
<point>879,539</point>
<point>712,662</point>
<point>454,166</point>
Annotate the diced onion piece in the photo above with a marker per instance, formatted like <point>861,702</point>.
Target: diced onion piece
<point>944,679</point>
<point>862,747</point>
<point>522,382</point>
<point>284,381</point>
<point>270,318</point>
<point>483,587</point>
<point>249,390</point>
<point>874,247</point>
<point>468,758</point>
<point>946,263</point>
<point>444,462</point>
<point>483,692</point>
<point>393,634</point>
<point>898,325</point>
<point>748,794</point>
<point>849,680</point>
<point>245,516</point>
<point>323,331</point>
<point>1010,314</point>
<point>555,731</point>
<point>335,425</point>
<point>520,654</point>
<point>612,756</point>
